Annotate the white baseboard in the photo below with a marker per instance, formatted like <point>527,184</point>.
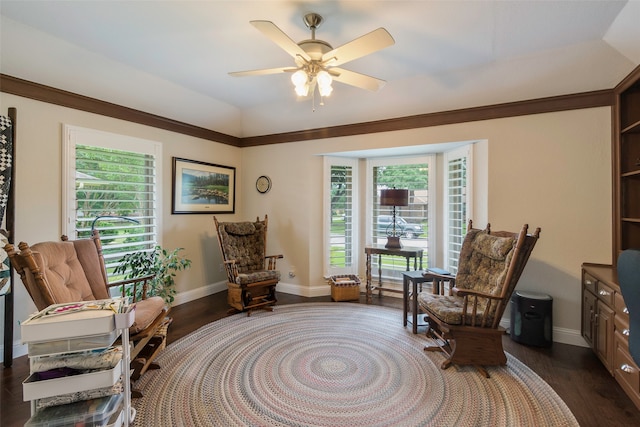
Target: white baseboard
<point>304,291</point>
<point>200,292</point>
<point>560,335</point>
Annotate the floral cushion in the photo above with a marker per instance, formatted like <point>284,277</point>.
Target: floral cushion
<point>257,276</point>
<point>244,242</point>
<point>449,308</point>
<point>240,228</point>
<point>484,262</point>
<point>483,266</point>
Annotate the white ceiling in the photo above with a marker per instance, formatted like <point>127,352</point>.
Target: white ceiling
<point>171,58</point>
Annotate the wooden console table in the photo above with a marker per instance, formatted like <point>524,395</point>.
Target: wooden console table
<point>405,252</point>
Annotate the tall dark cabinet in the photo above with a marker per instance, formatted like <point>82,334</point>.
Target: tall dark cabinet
<point>626,165</point>
<point>605,318</point>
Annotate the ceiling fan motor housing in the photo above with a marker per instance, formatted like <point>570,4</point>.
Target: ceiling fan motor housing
<point>314,48</point>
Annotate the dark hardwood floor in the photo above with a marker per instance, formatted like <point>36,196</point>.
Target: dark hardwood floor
<point>575,373</point>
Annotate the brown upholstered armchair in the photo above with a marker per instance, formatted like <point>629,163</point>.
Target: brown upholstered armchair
<point>466,325</point>
<point>251,274</point>
<point>73,271</point>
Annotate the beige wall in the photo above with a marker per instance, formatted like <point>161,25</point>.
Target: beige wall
<point>549,170</point>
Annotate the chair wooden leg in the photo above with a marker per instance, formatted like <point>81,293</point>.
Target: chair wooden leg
<point>136,368</point>
<point>483,371</point>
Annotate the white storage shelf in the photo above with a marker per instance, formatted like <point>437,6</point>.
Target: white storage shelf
<point>33,389</point>
<point>67,345</point>
<point>77,332</point>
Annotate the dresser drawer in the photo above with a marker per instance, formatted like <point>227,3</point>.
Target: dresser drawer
<point>605,293</point>
<point>620,306</point>
<point>622,326</point>
<point>622,332</point>
<point>625,370</point>
<point>589,282</point>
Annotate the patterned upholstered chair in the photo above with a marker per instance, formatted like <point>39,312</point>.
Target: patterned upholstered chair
<point>466,325</point>
<point>73,271</point>
<point>628,268</point>
<point>251,274</point>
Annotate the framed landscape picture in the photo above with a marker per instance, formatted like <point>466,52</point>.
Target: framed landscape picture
<point>200,187</point>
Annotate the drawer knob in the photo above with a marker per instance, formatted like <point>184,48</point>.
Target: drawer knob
<point>625,332</point>
<point>627,368</point>
<point>603,293</point>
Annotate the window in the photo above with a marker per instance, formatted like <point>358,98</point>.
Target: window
<point>416,175</point>
<point>340,219</point>
<point>110,184</point>
<point>457,204</point>
<point>450,196</point>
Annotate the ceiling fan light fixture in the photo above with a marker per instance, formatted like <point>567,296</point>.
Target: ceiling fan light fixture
<point>299,78</point>
<point>302,90</point>
<point>324,78</point>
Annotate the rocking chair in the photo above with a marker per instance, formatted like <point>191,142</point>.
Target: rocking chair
<point>251,274</point>
<point>73,271</point>
<point>466,325</point>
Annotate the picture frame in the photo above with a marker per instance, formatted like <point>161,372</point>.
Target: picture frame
<point>202,188</point>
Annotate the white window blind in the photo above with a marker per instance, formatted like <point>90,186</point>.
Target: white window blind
<point>413,220</point>
<point>113,190</point>
<point>340,230</point>
<point>456,204</point>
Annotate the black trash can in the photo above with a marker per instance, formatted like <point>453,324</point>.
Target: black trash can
<point>531,318</point>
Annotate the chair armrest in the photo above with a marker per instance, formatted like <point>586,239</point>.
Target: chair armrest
<point>271,261</point>
<point>142,279</point>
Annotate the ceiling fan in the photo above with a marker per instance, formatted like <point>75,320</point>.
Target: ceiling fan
<point>316,61</point>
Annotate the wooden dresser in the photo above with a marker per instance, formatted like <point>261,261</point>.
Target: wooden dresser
<point>605,326</point>
<point>605,319</point>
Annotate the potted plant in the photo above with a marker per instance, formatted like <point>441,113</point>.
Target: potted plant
<point>159,262</point>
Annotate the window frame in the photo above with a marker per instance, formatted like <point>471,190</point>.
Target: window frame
<point>430,159</point>
<point>329,162</point>
<point>73,136</point>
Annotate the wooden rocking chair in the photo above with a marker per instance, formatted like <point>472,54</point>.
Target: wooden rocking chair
<point>466,325</point>
<point>251,274</point>
<point>74,271</point>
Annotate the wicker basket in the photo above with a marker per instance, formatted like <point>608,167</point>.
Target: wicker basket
<point>345,287</point>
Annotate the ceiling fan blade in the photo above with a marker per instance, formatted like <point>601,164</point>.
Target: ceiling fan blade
<point>263,71</point>
<point>276,35</point>
<point>364,45</point>
<point>356,79</point>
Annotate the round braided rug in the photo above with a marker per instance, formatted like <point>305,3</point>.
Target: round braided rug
<point>332,364</point>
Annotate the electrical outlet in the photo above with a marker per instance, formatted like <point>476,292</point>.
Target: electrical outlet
<point>221,268</point>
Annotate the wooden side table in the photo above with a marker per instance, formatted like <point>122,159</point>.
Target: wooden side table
<point>415,277</point>
<point>405,252</point>
<point>418,277</point>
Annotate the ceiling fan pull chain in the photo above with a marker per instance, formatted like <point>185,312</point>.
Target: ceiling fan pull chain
<point>313,100</point>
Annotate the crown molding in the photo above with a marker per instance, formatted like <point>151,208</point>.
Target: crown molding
<point>601,98</point>
<point>39,92</point>
<point>27,89</point>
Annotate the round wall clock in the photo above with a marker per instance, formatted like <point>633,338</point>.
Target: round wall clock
<point>263,184</point>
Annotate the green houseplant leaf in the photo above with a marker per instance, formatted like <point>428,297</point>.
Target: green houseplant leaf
<point>160,262</point>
